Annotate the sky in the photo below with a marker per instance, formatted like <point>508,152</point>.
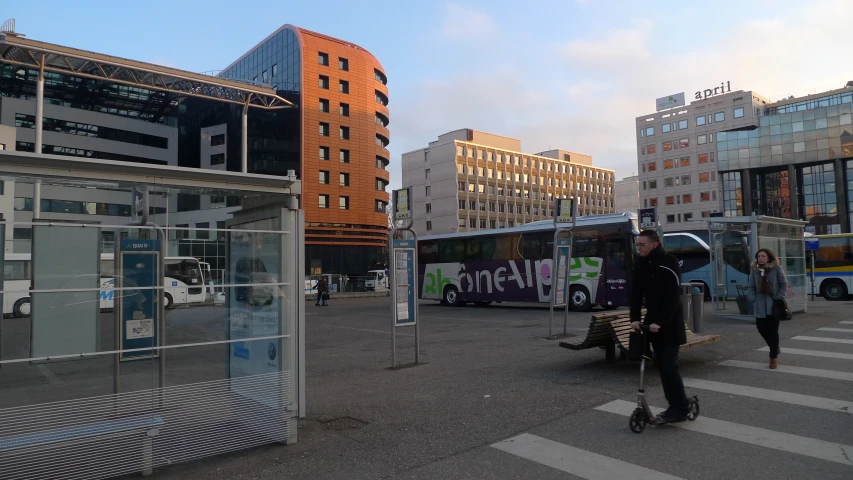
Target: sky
<point>569,74</point>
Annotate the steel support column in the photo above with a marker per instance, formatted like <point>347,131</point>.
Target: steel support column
<point>794,192</point>
<point>244,139</point>
<point>39,105</point>
<point>746,191</point>
<point>841,196</point>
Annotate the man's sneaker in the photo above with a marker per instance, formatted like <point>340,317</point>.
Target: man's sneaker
<point>671,415</point>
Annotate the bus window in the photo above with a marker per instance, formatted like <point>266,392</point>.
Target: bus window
<point>833,252</point>
<point>531,246</point>
<point>547,244</point>
<point>585,247</point>
<point>16,270</point>
<point>503,248</point>
<point>472,250</point>
<point>673,243</point>
<point>451,251</point>
<point>427,252</point>
<point>691,245</point>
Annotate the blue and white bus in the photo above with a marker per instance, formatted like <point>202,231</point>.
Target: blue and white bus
<point>694,254</point>
<point>184,282</point>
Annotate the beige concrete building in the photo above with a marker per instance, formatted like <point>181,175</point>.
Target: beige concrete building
<point>470,180</point>
<point>676,154</point>
<point>627,194</point>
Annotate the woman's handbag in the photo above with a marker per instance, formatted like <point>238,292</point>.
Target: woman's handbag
<point>781,310</point>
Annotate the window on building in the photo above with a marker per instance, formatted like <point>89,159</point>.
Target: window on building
<point>702,139</point>
<point>324,105</point>
<point>719,116</point>
<point>381,206</point>
<point>704,177</point>
<point>426,173</point>
<point>428,207</point>
<point>324,177</point>
<point>461,186</point>
<point>667,182</point>
<point>324,201</point>
<point>665,128</point>
<point>650,149</point>
<point>738,112</point>
<point>324,82</point>
<point>428,225</point>
<point>682,124</point>
<point>670,219</point>
<point>670,200</point>
<point>274,70</point>
<point>323,58</point>
<point>667,146</point>
<point>653,202</point>
<point>217,159</point>
<point>343,155</point>
<point>217,140</point>
<point>344,110</point>
<point>324,153</point>
<point>324,129</point>
<point>344,179</point>
<point>381,184</point>
<point>667,164</point>
<point>713,176</point>
<point>343,203</point>
<point>685,161</point>
<point>704,196</point>
<point>703,158</point>
<point>427,190</point>
<point>685,179</point>
<point>650,131</point>
<point>687,198</point>
<point>264,77</point>
<point>343,86</point>
<point>343,63</point>
<point>700,120</point>
<point>653,184</point>
<point>684,143</point>
<point>344,132</point>
<point>652,166</point>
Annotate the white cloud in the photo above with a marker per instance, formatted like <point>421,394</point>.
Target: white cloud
<point>620,46</point>
<point>462,22</point>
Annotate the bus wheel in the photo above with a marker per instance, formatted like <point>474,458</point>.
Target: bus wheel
<point>167,301</point>
<point>834,290</point>
<point>580,301</point>
<point>22,308</point>
<point>451,296</point>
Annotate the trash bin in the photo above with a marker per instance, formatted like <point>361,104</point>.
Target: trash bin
<point>687,304</point>
<point>698,299</point>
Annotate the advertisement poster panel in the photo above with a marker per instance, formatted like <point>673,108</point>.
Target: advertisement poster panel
<point>139,262</point>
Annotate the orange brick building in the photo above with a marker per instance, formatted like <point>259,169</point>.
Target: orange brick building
<point>343,158</point>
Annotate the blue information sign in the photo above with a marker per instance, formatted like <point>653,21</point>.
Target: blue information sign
<point>561,272</point>
<point>812,244</point>
<point>139,262</point>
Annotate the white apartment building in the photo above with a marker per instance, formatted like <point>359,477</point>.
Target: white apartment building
<point>470,180</point>
<point>676,154</point>
<point>627,194</point>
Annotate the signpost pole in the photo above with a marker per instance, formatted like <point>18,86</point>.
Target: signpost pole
<point>403,273</point>
<point>565,215</point>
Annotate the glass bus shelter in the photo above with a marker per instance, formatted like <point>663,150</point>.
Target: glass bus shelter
<point>734,241</point>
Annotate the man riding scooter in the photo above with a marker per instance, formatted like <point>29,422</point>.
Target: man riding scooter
<point>657,280</point>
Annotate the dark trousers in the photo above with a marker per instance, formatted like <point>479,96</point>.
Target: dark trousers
<point>666,355</point>
<point>769,330</point>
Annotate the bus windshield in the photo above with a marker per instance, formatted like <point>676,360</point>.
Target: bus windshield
<point>515,264</point>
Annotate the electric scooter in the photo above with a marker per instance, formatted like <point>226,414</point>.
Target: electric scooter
<point>642,415</point>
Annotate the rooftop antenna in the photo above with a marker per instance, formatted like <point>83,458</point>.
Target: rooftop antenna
<point>8,28</point>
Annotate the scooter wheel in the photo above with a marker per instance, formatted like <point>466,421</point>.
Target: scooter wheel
<point>693,413</point>
<point>638,421</point>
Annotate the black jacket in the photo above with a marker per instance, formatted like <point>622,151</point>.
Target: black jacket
<point>657,279</point>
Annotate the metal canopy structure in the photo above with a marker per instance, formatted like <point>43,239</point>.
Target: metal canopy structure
<point>15,50</point>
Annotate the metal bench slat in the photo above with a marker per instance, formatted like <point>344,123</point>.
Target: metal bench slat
<point>78,432</point>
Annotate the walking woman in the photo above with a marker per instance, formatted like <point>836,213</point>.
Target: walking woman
<point>767,282</point>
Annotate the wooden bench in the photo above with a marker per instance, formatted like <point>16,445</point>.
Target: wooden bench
<point>608,330</point>
<point>601,333</point>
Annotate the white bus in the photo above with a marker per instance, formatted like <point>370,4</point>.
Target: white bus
<point>184,282</point>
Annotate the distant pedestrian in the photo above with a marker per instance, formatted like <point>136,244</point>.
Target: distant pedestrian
<point>322,292</point>
<point>657,283</point>
<point>767,283</point>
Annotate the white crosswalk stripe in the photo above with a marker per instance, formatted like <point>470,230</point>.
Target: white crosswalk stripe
<point>575,461</point>
<point>846,322</point>
<point>786,442</point>
<point>811,372</point>
<point>839,330</point>
<point>812,353</point>
<point>824,339</point>
<point>841,406</point>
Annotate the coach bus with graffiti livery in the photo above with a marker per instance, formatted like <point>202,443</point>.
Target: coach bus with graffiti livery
<point>515,265</point>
